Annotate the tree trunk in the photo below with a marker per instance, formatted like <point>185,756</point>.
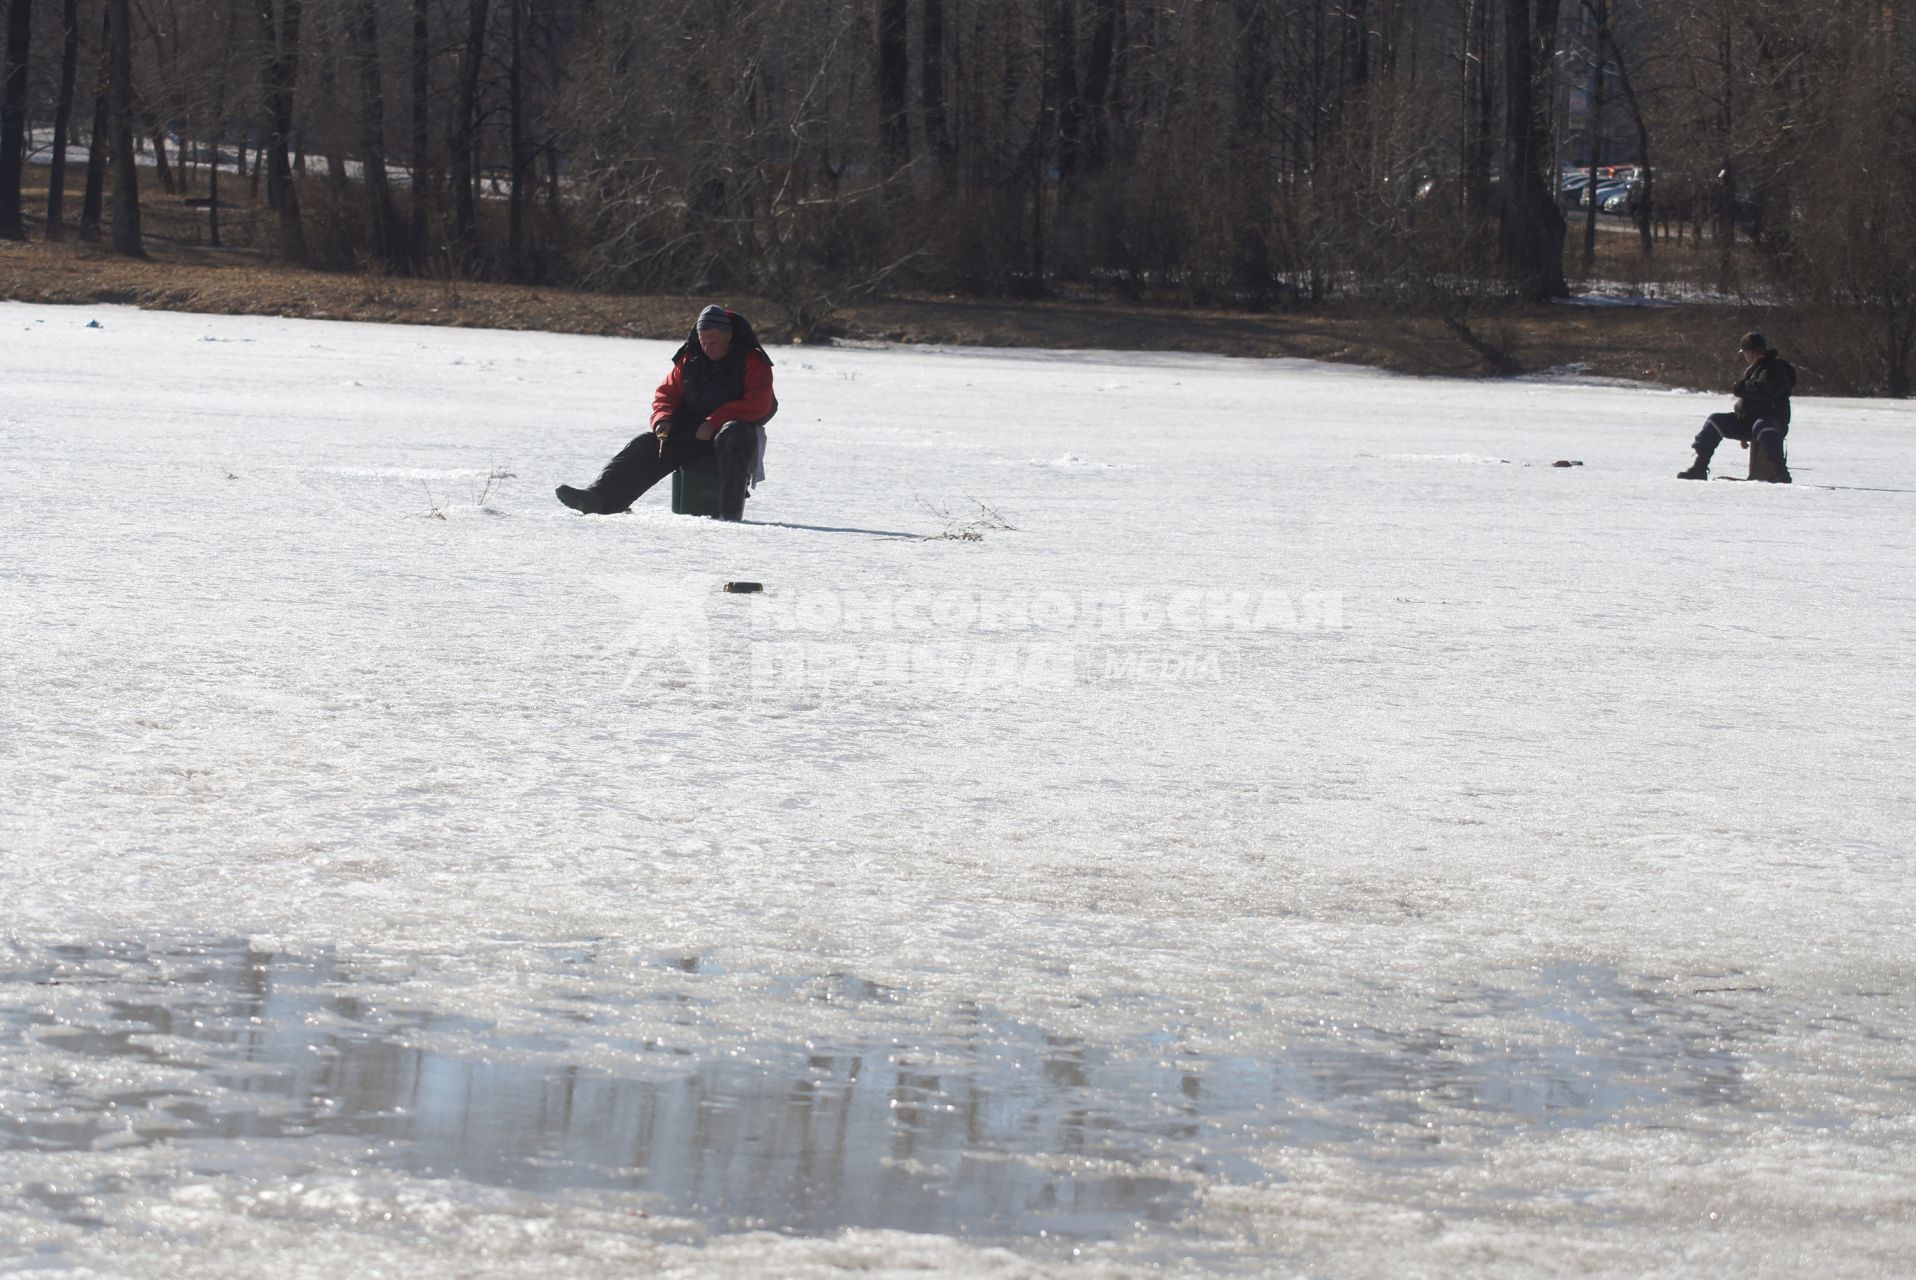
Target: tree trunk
<point>1061,72</point>
<point>894,64</point>
<point>13,119</point>
<point>931,85</point>
<point>1097,84</point>
<point>1646,203</point>
<point>1898,340</point>
<point>157,132</point>
<point>1250,178</point>
<point>334,137</point>
<point>63,118</point>
<point>126,176</point>
<point>213,191</point>
<point>279,76</point>
<point>1357,30</point>
<point>1119,138</point>
<point>372,136</point>
<point>1774,196</point>
<point>1531,228</point>
<point>1726,174</point>
<point>1316,105</point>
<point>516,143</point>
<point>1480,109</point>
<point>1594,133</point>
<point>221,87</point>
<point>465,215</point>
<point>93,202</point>
<point>421,130</point>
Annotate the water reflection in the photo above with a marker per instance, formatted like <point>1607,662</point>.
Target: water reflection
<point>980,1126</point>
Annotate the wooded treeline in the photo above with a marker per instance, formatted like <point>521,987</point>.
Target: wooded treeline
<point>1247,153</point>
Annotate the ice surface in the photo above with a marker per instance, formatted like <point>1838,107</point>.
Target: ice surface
<point>1379,852</point>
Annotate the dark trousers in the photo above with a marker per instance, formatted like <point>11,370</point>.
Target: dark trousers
<point>648,460</point>
<point>1767,433</point>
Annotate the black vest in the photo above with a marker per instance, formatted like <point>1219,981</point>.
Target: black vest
<point>710,383</point>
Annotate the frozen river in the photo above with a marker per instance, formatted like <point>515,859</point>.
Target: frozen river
<point>1164,815</point>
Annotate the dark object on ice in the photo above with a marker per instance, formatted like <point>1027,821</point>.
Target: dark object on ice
<point>1767,461</point>
<point>710,410</point>
<point>1761,416</point>
<point>1561,462</point>
<point>696,489</point>
<point>744,588</point>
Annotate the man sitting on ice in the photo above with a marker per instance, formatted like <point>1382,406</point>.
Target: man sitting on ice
<point>1762,414</point>
<point>714,402</point>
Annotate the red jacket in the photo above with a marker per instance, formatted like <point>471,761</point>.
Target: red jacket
<point>754,404</point>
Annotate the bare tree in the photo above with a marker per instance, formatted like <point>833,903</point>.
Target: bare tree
<point>1531,228</point>
<point>279,77</point>
<point>1646,204</point>
<point>1598,14</point>
<point>126,176</point>
<point>894,69</point>
<point>459,140</point>
<point>931,80</point>
<point>388,244</point>
<point>1253,178</point>
<point>93,202</point>
<point>13,117</point>
<point>63,118</point>
<point>1849,262</point>
<point>1242,152</point>
<point>421,64</point>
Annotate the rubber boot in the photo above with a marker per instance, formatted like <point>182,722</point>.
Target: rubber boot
<point>583,501</point>
<point>1698,470</point>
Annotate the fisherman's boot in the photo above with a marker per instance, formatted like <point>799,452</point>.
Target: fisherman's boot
<point>1698,470</point>
<point>583,501</point>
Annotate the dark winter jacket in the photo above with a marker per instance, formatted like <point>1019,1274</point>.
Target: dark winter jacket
<point>735,389</point>
<point>1764,390</point>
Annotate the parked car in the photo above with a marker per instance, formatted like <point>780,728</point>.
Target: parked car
<point>1610,197</point>
<point>1625,200</point>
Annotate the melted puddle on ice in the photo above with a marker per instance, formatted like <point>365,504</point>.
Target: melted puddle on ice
<point>987,1128</point>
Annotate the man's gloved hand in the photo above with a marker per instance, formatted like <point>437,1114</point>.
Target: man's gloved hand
<point>662,428</point>
<point>706,431</point>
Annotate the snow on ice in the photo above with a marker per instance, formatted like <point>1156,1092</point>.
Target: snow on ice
<point>1276,843</point>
